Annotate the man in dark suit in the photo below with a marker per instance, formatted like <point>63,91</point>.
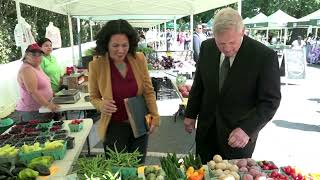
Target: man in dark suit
<point>236,91</point>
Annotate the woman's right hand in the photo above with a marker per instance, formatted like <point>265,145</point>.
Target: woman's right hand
<point>108,107</point>
<point>53,107</point>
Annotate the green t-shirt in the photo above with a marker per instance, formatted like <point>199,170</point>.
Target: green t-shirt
<point>50,66</point>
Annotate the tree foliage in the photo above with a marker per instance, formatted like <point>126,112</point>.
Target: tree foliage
<point>39,20</point>
<point>295,8</point>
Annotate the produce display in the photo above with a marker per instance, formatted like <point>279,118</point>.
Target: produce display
<point>23,156</point>
<point>223,169</point>
<point>184,90</point>
<point>23,149</point>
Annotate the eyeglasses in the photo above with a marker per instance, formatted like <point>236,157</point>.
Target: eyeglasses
<point>36,54</point>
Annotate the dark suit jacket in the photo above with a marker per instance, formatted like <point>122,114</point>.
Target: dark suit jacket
<point>249,98</point>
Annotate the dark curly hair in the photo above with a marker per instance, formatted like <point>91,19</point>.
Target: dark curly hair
<point>41,41</point>
<point>113,27</point>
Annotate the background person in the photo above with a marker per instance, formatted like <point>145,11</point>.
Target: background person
<point>34,87</point>
<point>118,72</point>
<point>298,43</point>
<point>198,37</point>
<point>235,93</point>
<point>50,65</point>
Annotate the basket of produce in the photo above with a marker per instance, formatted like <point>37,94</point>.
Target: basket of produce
<point>5,124</point>
<point>153,172</point>
<point>267,166</point>
<point>76,125</point>
<point>8,153</point>
<point>171,167</point>
<point>45,124</point>
<point>70,142</point>
<point>57,149</point>
<point>29,152</point>
<point>125,172</point>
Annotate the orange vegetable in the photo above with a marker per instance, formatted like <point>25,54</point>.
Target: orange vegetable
<point>197,177</point>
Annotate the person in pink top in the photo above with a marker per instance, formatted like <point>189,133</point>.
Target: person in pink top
<point>34,87</point>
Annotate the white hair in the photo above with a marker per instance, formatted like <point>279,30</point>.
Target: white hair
<point>226,19</point>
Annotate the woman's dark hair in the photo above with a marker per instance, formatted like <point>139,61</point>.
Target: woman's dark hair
<point>113,27</point>
<point>41,41</point>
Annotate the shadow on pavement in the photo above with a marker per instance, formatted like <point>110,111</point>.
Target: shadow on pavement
<point>298,126</point>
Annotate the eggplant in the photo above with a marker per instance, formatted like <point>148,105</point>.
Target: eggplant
<point>43,170</point>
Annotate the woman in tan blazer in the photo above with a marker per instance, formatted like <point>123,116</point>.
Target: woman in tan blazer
<point>116,73</point>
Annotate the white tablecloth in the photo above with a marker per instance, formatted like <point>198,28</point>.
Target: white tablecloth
<point>64,166</point>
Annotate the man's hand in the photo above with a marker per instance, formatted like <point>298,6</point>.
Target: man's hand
<point>238,138</point>
<point>189,124</point>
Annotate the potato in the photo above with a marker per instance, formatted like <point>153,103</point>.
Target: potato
<point>211,164</point>
<point>234,168</point>
<point>228,165</point>
<point>218,172</point>
<point>217,158</point>
<point>255,167</point>
<point>247,177</point>
<point>251,162</point>
<point>235,175</point>
<point>222,176</point>
<point>221,166</point>
<point>225,161</point>
<point>234,161</point>
<point>242,163</point>
<point>226,171</point>
<point>261,178</point>
<point>254,172</point>
<point>227,177</point>
<point>243,169</point>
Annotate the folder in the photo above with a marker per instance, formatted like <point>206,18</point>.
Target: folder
<point>137,111</point>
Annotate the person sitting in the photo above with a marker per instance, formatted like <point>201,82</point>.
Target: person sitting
<point>34,87</point>
<point>49,64</point>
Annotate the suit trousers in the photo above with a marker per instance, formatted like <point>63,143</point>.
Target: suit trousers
<point>206,145</point>
<point>120,135</point>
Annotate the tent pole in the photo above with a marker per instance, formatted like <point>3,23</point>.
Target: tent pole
<point>91,35</point>
<point>19,18</point>
<point>79,41</point>
<point>191,32</point>
<point>175,30</point>
<point>239,6</point>
<point>71,39</point>
<point>285,35</point>
<point>159,36</point>
<point>316,34</point>
<point>165,35</point>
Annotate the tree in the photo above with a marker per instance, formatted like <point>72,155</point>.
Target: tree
<point>295,8</point>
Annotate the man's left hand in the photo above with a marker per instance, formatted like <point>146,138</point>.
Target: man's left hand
<point>238,138</point>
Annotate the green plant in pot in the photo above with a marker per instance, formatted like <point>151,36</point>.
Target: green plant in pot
<point>145,50</point>
<point>88,57</point>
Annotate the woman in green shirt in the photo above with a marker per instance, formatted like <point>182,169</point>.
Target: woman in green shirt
<point>49,64</point>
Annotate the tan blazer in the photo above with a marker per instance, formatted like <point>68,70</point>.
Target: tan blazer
<point>100,87</point>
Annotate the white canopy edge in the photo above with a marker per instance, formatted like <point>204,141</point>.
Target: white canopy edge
<point>127,8</point>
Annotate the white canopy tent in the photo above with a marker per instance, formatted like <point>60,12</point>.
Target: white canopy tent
<point>140,13</point>
<point>279,19</point>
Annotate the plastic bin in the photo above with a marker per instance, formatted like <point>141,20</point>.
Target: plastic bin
<point>58,153</point>
<point>5,124</point>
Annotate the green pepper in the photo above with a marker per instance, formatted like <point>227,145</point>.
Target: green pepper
<point>28,174</point>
